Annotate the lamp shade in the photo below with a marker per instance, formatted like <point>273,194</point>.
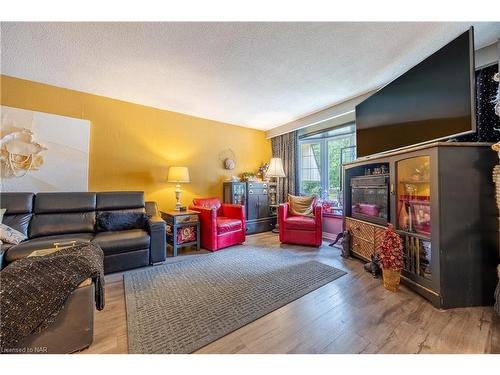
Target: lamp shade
<point>178,174</point>
<point>275,168</point>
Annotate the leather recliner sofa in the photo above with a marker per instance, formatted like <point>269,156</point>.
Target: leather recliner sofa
<point>48,218</point>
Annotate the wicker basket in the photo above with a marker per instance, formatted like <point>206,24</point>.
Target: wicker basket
<point>391,279</point>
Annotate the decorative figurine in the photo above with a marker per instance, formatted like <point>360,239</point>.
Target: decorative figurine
<point>373,267</point>
<point>346,244</point>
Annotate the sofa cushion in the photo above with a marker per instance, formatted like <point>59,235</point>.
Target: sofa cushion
<point>120,220</point>
<point>119,200</point>
<point>17,203</point>
<point>207,203</point>
<point>10,235</point>
<point>64,202</point>
<point>19,207</point>
<point>22,250</point>
<point>227,224</point>
<point>300,222</point>
<point>5,246</point>
<point>122,241</point>
<point>19,222</point>
<point>63,223</point>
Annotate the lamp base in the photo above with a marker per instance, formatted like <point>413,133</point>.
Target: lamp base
<point>276,228</point>
<point>178,205</point>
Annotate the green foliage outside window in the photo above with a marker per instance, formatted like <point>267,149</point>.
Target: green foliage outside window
<point>334,147</point>
<point>311,188</point>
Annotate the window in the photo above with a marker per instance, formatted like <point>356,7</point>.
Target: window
<point>321,158</point>
<point>310,168</point>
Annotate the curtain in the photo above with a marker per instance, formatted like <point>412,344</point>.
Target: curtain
<point>285,147</point>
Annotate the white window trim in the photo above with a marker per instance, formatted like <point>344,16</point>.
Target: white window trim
<point>324,178</point>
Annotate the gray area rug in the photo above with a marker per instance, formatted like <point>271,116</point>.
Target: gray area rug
<point>184,305</point>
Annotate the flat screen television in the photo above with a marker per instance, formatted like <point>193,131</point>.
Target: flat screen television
<point>434,100</point>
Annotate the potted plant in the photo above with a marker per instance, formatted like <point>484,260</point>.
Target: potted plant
<point>391,259</point>
<point>248,176</point>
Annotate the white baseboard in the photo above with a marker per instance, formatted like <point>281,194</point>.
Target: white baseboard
<point>329,236</point>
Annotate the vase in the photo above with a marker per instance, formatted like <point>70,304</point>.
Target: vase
<point>391,279</point>
<point>404,218</point>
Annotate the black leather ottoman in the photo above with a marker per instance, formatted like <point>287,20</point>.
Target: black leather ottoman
<point>73,329</point>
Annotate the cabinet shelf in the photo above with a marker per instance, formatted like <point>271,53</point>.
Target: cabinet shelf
<point>413,234</point>
<point>414,182</point>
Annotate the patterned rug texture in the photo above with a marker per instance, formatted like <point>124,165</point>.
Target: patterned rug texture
<point>184,305</point>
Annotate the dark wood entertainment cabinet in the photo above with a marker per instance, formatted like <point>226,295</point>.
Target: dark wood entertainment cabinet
<point>442,203</point>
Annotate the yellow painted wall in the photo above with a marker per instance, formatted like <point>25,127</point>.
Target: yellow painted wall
<point>131,146</point>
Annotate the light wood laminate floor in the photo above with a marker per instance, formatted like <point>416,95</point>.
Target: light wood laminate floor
<point>353,314</point>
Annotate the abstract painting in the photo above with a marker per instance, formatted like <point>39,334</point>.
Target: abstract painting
<point>41,152</point>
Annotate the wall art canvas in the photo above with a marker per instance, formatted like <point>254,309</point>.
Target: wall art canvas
<point>41,152</point>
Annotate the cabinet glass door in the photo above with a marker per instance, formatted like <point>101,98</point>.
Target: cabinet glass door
<point>413,213</point>
<point>239,194</point>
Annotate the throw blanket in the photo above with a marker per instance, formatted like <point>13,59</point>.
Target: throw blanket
<point>33,290</point>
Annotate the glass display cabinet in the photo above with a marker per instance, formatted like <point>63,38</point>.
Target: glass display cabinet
<point>235,193</point>
<point>413,213</point>
<point>442,204</point>
<point>256,196</point>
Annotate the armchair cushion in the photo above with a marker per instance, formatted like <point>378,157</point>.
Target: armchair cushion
<point>227,224</point>
<point>300,222</point>
<point>301,205</point>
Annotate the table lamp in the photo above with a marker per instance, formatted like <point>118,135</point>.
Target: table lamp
<point>178,175</point>
<point>275,170</point>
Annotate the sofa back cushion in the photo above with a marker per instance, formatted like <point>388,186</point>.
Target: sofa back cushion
<point>207,203</point>
<point>120,200</point>
<point>19,209</point>
<point>61,213</point>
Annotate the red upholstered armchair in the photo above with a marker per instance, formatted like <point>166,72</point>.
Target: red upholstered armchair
<point>222,225</point>
<point>300,230</point>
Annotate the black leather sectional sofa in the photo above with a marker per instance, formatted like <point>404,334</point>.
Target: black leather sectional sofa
<point>47,218</point>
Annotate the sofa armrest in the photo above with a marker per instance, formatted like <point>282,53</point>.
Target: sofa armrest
<point>318,218</point>
<point>234,211</point>
<point>318,215</point>
<point>283,212</point>
<point>208,216</point>
<point>157,232</point>
<point>208,224</point>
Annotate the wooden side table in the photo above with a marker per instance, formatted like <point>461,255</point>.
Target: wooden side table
<point>176,222</point>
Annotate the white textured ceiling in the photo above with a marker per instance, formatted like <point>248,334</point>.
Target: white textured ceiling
<point>259,75</point>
